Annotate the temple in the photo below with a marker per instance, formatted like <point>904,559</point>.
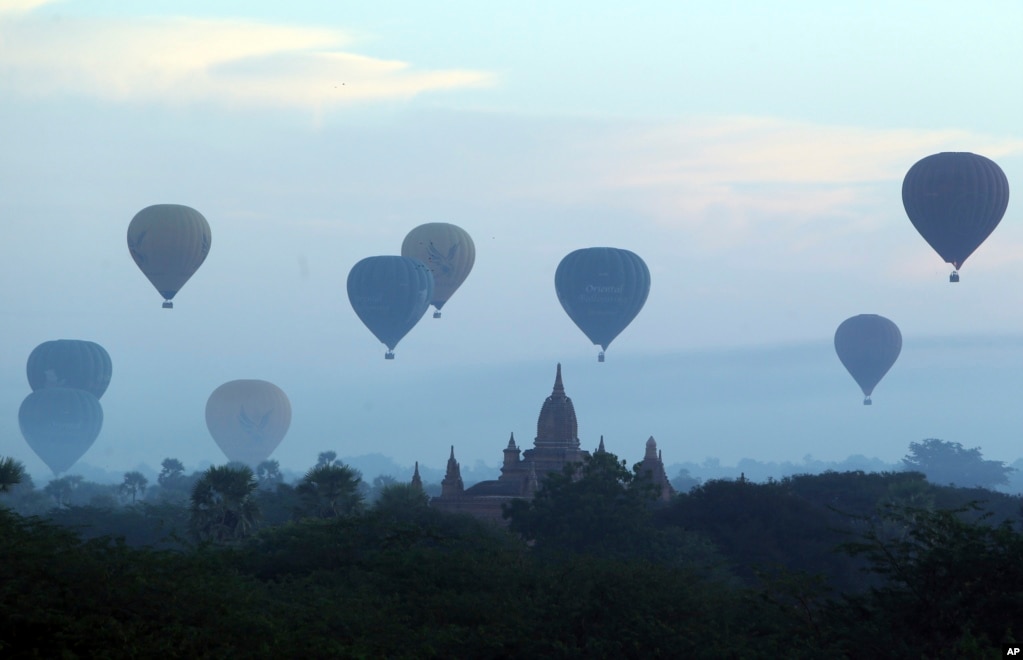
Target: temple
<point>556,444</point>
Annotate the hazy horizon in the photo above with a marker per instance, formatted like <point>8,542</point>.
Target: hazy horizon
<point>735,404</point>
<point>753,156</point>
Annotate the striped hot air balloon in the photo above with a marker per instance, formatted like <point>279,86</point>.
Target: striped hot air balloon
<point>955,200</point>
<point>60,424</point>
<point>73,363</point>
<point>389,295</point>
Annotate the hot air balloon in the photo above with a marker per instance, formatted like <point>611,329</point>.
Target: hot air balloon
<point>73,363</point>
<point>868,346</point>
<point>602,289</point>
<point>60,424</point>
<point>248,419</point>
<point>390,294</point>
<point>168,243</point>
<point>955,200</point>
<point>449,253</point>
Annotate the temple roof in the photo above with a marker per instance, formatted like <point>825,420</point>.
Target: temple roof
<point>495,488</point>
<point>557,425</point>
<point>651,449</point>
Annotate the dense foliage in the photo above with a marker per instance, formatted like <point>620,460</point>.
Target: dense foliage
<point>950,463</point>
<point>847,564</point>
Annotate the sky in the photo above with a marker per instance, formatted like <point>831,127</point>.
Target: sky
<point>752,155</point>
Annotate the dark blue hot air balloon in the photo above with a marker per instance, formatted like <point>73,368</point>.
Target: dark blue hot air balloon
<point>168,243</point>
<point>955,200</point>
<point>73,363</point>
<point>60,424</point>
<point>390,294</point>
<point>868,345</point>
<point>602,289</point>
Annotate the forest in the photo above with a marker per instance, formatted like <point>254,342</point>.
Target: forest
<point>235,562</point>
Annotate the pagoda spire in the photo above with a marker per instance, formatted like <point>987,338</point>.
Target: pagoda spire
<point>532,482</point>
<point>512,455</point>
<point>652,467</point>
<point>651,450</point>
<point>556,427</point>
<point>417,481</point>
<point>452,484</point>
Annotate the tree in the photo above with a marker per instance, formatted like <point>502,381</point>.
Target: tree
<point>330,491</point>
<point>326,458</point>
<point>684,481</point>
<point>951,585</point>
<point>949,463</point>
<point>589,508</point>
<point>380,482</point>
<point>63,488</point>
<point>763,527</point>
<point>12,473</point>
<point>175,486</point>
<point>268,473</point>
<point>401,501</point>
<point>134,484</point>
<point>172,474</point>
<point>223,506</point>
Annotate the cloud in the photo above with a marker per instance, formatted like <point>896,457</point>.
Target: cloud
<point>21,6</point>
<point>740,150</point>
<point>184,61</point>
<point>726,178</point>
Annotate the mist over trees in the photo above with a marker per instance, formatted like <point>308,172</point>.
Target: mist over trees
<point>948,463</point>
<point>854,564</point>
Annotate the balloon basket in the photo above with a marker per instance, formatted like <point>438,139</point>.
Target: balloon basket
<point>436,315</point>
<point>868,402</point>
<point>600,356</point>
<point>388,355</point>
<point>168,304</point>
<point>954,277</point>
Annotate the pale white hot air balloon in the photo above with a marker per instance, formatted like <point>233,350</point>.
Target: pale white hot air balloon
<point>248,419</point>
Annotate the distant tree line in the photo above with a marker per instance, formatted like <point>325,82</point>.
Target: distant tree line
<point>941,461</point>
<point>235,562</point>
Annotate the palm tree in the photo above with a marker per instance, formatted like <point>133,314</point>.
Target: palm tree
<point>172,473</point>
<point>380,482</point>
<point>326,458</point>
<point>134,483</point>
<point>330,491</point>
<point>402,500</point>
<point>269,474</point>
<point>12,473</point>
<point>224,507</point>
<point>63,488</point>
